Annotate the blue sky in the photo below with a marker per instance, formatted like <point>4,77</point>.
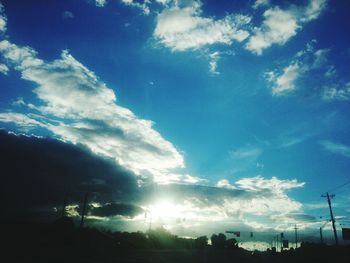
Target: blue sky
<point>248,96</point>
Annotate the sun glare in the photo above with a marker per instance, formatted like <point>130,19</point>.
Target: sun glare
<point>164,210</point>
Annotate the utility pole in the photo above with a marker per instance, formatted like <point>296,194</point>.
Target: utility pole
<point>332,217</point>
<point>321,236</point>
<point>84,210</point>
<point>149,212</point>
<point>282,237</point>
<point>64,206</point>
<point>296,235</point>
<point>150,221</point>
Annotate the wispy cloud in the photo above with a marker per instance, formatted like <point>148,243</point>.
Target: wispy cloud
<point>336,148</point>
<point>279,25</point>
<point>213,64</point>
<point>274,185</point>
<point>3,19</point>
<point>308,60</point>
<point>246,152</point>
<point>67,15</point>
<point>336,92</point>
<point>313,206</point>
<point>20,119</point>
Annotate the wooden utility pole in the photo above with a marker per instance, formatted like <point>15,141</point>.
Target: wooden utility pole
<point>332,217</point>
<point>64,206</point>
<point>321,236</point>
<point>84,210</point>
<point>296,235</point>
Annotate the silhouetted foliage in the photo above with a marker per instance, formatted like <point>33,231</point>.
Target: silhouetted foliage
<point>231,243</point>
<point>62,231</point>
<point>64,242</point>
<point>201,242</point>
<point>218,241</point>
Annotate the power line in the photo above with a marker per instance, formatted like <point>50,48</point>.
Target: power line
<point>339,186</point>
<point>346,190</point>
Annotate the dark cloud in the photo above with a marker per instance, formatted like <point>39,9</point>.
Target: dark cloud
<point>113,209</point>
<point>36,174</point>
<point>201,195</point>
<point>303,217</point>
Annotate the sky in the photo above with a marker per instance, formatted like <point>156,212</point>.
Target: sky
<point>198,116</point>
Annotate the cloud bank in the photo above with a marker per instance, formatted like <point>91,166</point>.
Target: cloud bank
<point>79,108</point>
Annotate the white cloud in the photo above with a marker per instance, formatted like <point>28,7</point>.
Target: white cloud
<point>182,28</point>
<point>250,203</point>
<point>4,69</point>
<point>142,6</point>
<point>285,82</point>
<point>280,25</point>
<point>87,113</point>
<point>163,2</point>
<point>261,3</point>
<point>277,28</point>
<point>100,3</point>
<point>336,148</point>
<point>332,93</point>
<point>193,179</point>
<point>178,178</point>
<point>224,183</point>
<point>260,196</point>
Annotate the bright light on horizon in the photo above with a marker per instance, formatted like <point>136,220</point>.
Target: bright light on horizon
<point>165,210</point>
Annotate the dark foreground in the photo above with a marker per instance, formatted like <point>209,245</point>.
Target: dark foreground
<point>42,243</point>
<point>169,256</point>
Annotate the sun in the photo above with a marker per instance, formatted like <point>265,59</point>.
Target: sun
<point>165,210</point>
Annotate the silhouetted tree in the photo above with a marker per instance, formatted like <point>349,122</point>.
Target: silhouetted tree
<point>201,242</point>
<point>161,238</point>
<point>218,241</point>
<point>231,243</point>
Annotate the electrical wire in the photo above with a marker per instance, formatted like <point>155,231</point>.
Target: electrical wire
<point>339,186</point>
